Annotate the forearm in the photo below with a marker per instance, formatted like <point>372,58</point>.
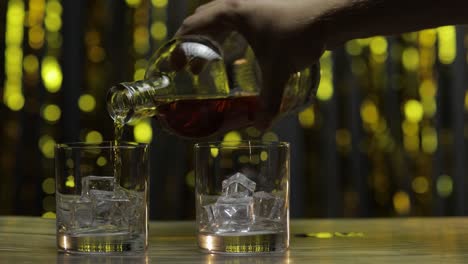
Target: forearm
<point>350,19</point>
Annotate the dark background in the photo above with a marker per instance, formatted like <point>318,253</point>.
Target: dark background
<point>386,137</point>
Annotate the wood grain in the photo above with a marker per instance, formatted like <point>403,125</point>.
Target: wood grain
<point>410,240</point>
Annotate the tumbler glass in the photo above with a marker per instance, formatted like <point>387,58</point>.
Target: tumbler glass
<point>102,197</point>
<point>242,196</point>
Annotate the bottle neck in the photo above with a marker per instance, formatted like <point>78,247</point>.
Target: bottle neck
<point>130,101</point>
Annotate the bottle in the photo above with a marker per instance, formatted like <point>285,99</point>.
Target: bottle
<point>195,90</point>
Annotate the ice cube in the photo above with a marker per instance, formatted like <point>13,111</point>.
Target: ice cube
<point>109,207</point>
<point>209,215</point>
<point>238,185</point>
<point>266,205</point>
<point>101,183</point>
<point>64,208</point>
<point>81,213</point>
<point>232,214</point>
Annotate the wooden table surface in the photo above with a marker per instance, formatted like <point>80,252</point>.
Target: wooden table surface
<point>409,240</point>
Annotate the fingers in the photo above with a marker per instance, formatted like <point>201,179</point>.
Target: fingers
<point>212,18</point>
<point>271,96</point>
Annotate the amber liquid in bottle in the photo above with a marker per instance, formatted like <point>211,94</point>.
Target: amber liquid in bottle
<point>203,117</point>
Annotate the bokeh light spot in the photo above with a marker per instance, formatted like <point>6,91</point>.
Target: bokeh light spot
<point>190,179</point>
<point>353,48</point>
<point>51,113</point>
<point>48,203</point>
<point>53,22</point>
<point>15,101</point>
<point>48,185</point>
<point>47,145</point>
<point>307,117</point>
<point>444,186</point>
<point>410,59</point>
<point>51,74</point>
<point>93,137</point>
<point>158,30</point>
<point>159,3</point>
<point>401,202</point>
<point>369,112</point>
<point>101,161</point>
<point>214,151</point>
<point>420,185</point>
<point>143,132</point>
<point>447,48</point>
<point>325,90</point>
<point>86,103</point>
<point>413,111</point>
<point>133,3</point>
<point>49,215</point>
<point>429,140</point>
<point>30,63</point>
<point>270,137</point>
<point>232,138</point>
<point>70,181</point>
<point>378,45</point>
<point>263,156</point>
<point>139,74</point>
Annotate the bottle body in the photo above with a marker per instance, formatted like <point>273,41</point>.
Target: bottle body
<point>194,90</point>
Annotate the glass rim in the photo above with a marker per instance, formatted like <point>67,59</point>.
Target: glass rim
<point>242,144</point>
<point>101,145</point>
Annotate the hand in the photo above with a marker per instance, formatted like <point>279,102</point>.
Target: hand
<point>286,37</point>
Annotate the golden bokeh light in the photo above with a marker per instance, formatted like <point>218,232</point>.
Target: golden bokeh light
<point>139,74</point>
<point>353,48</point>
<point>49,215</point>
<point>51,74</point>
<point>401,203</point>
<point>232,139</point>
<point>427,88</point>
<point>420,185</point>
<point>429,140</point>
<point>159,30</point>
<point>369,112</point>
<point>93,136</point>
<point>47,145</point>
<point>410,59</point>
<point>214,151</point>
<point>159,3</point>
<point>133,3</point>
<point>48,185</point>
<point>325,89</point>
<point>444,186</point>
<point>447,48</point>
<point>270,137</point>
<point>53,22</point>
<point>30,63</point>
<point>143,132</point>
<point>87,103</point>
<point>101,161</point>
<point>427,38</point>
<point>378,45</point>
<point>70,182</point>
<point>307,117</point>
<point>413,111</point>
<point>410,128</point>
<point>15,101</point>
<point>190,179</point>
<point>51,113</point>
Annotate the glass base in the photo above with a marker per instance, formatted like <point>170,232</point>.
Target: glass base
<point>112,243</point>
<point>251,243</point>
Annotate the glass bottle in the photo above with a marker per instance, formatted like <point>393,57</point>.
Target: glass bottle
<point>195,88</point>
